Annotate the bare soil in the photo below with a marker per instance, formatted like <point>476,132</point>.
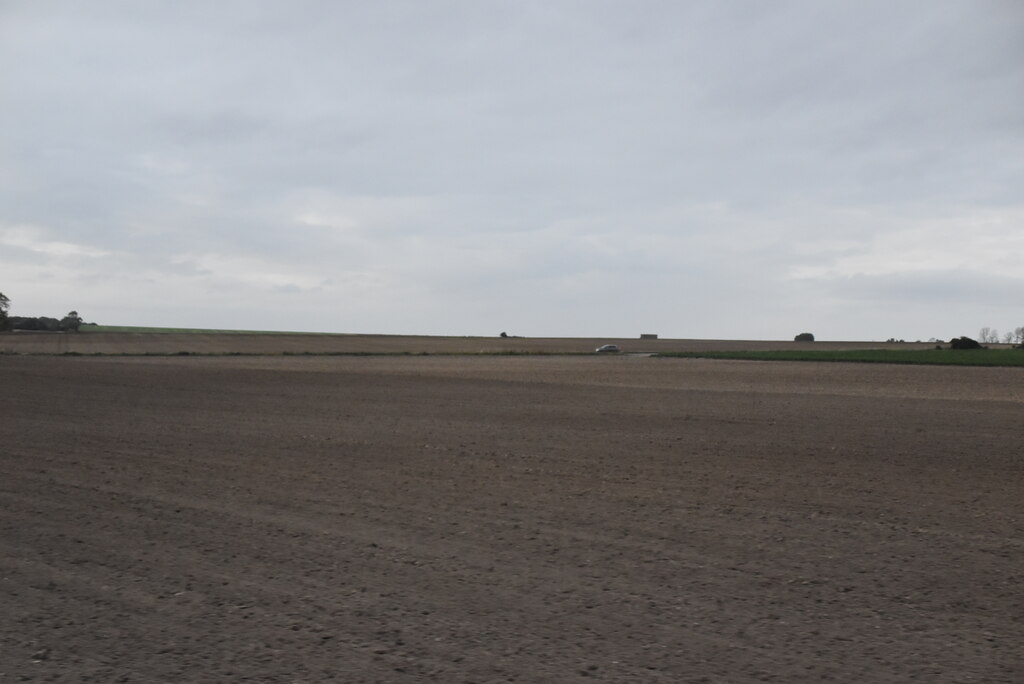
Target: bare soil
<point>491,519</point>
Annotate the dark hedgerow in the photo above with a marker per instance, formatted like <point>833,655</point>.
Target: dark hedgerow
<point>964,343</point>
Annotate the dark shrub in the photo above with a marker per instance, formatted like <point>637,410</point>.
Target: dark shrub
<point>964,343</point>
<point>804,337</point>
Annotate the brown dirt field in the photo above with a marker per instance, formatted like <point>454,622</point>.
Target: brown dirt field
<point>295,343</point>
<point>528,519</point>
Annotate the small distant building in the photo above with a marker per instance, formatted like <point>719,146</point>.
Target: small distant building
<point>648,336</point>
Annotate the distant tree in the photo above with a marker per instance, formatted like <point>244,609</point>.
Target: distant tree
<point>504,334</point>
<point>5,305</point>
<point>804,337</point>
<point>1018,335</point>
<point>988,335</point>
<point>71,321</point>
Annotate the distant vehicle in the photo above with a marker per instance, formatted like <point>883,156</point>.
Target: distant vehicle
<point>608,348</point>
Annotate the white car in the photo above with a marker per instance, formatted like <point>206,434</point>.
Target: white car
<point>608,348</point>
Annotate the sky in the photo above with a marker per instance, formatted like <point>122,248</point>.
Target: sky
<point>556,168</point>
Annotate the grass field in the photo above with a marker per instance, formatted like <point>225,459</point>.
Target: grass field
<point>944,357</point>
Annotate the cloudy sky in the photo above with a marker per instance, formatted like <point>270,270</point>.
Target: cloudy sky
<point>547,168</point>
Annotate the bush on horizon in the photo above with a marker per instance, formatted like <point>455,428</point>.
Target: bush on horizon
<point>964,343</point>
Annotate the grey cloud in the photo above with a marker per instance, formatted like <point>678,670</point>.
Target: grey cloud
<point>546,156</point>
<point>978,291</point>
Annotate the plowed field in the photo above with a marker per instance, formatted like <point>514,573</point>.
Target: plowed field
<point>529,519</point>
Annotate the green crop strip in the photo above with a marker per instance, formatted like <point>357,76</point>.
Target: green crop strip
<point>937,357</point>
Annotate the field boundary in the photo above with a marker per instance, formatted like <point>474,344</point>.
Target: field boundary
<point>993,358</point>
<point>163,342</point>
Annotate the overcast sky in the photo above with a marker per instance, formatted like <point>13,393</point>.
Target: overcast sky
<point>711,169</point>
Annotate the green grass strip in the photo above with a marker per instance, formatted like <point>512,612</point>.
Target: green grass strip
<point>936,357</point>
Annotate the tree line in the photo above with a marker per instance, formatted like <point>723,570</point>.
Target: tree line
<point>991,336</point>
<point>69,323</point>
